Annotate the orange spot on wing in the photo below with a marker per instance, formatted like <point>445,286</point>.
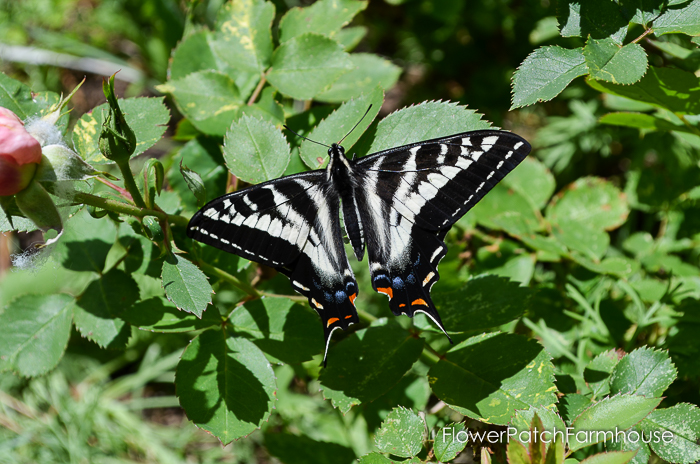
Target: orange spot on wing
<point>352,299</point>
<point>402,305</point>
<point>331,321</point>
<point>348,316</point>
<point>419,301</point>
<point>386,291</point>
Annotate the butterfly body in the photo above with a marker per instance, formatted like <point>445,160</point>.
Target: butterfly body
<point>397,206</point>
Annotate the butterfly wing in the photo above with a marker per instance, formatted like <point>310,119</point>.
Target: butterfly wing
<point>409,198</point>
<point>290,224</point>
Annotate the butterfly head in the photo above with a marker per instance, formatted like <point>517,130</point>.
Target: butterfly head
<point>336,151</point>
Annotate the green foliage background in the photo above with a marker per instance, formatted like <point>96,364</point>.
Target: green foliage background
<point>572,290</point>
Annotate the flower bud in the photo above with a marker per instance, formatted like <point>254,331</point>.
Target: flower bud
<point>117,140</point>
<point>20,153</point>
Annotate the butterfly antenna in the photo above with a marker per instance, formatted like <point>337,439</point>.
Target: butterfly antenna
<point>305,138</point>
<point>358,123</point>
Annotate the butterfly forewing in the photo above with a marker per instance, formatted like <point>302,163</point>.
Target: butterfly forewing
<point>412,195</point>
<point>290,224</point>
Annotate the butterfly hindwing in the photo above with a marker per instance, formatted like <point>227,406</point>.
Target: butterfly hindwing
<point>412,195</point>
<point>290,224</point>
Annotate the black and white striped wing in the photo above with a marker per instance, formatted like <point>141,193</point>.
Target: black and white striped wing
<point>290,224</point>
<point>412,195</point>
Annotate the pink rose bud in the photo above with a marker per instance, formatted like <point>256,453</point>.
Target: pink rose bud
<point>20,153</point>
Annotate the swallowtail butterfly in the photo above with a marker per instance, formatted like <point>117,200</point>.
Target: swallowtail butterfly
<point>398,203</point>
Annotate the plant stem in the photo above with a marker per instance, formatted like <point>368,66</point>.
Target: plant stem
<point>235,281</point>
<point>644,34</point>
<point>257,90</point>
<point>130,184</point>
<point>124,208</point>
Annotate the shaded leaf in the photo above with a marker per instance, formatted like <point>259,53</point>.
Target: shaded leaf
<point>97,312</point>
<point>490,376</point>
<point>592,201</point>
<point>225,385</point>
<point>157,314</point>
<point>281,328</point>
<point>449,441</point>
<point>670,88</point>
<point>598,18</point>
<point>294,449</point>
<point>367,363</point>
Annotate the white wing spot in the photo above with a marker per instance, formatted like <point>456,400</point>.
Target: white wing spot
<point>250,204</point>
<point>298,285</point>
<point>500,163</point>
<point>467,141</point>
<point>435,254</point>
<point>517,145</point>
<point>480,186</point>
<point>488,142</point>
<point>510,153</point>
<point>477,154</point>
<point>427,278</point>
<point>464,163</point>
<point>443,149</point>
<point>490,175</point>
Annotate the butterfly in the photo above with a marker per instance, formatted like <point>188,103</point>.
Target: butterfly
<point>398,204</point>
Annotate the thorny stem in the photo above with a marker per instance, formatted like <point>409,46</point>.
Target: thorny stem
<point>122,192</point>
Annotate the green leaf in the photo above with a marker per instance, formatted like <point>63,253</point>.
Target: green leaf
<point>517,453</point>
<point>632,442</point>
<point>598,422</point>
<point>608,61</point>
<point>449,442</point>
<point>243,34</point>
<point>147,117</point>
<point>401,434</point>
<point>293,449</point>
<point>157,314</point>
<point>206,51</point>
<point>186,285</point>
<point>670,88</point>
<point>682,423</point>
<point>399,128</point>
<point>490,389</point>
<point>338,124</point>
<point>209,100</point>
<point>592,201</point>
<point>304,66</point>
<point>349,37</point>
<point>503,201</point>
<point>283,329</point>
<point>597,373</point>
<point>225,385</point>
<point>85,244</point>
<point>16,97</point>
<point>368,71</point>
<point>573,405</point>
<point>34,332</point>
<point>642,11</point>
<point>684,19</point>
<point>550,421</point>
<point>619,266</point>
<point>325,17</point>
<point>598,18</point>
<point>643,372</point>
<point>97,312</point>
<point>579,236</point>
<point>375,458</point>
<point>643,121</point>
<point>613,457</point>
<point>366,364</point>
<point>545,73</point>
<point>255,150</point>
<point>482,303</point>
<point>533,180</point>
<point>194,183</point>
